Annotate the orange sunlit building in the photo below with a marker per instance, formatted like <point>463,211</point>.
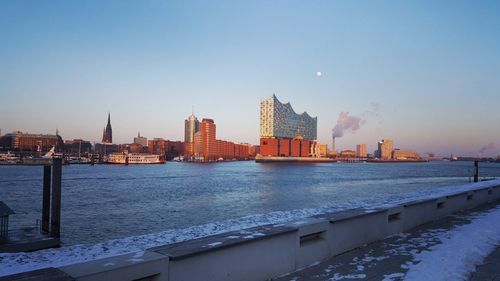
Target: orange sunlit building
<point>206,147</point>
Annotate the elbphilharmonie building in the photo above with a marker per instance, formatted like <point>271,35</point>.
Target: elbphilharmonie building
<point>279,120</point>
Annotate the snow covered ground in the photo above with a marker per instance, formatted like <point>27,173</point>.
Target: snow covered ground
<point>20,262</point>
<point>460,251</point>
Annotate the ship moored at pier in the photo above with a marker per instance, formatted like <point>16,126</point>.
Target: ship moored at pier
<point>134,158</point>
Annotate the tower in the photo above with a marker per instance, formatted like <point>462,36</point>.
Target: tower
<point>107,135</point>
<point>191,127</point>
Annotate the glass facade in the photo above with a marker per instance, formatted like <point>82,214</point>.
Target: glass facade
<point>279,120</point>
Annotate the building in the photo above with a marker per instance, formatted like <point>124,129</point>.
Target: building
<point>141,140</point>
<point>77,147</point>
<point>206,146</point>
<point>157,146</point>
<point>107,133</point>
<point>191,127</point>
<point>26,142</point>
<point>399,154</point>
<point>107,148</point>
<point>285,133</point>
<point>134,148</point>
<point>174,149</point>
<point>197,146</point>
<point>361,151</point>
<point>165,148</point>
<point>208,140</point>
<point>322,149</point>
<point>348,153</point>
<point>278,120</point>
<point>385,148</point>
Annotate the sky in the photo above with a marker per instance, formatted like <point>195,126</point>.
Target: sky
<point>425,74</point>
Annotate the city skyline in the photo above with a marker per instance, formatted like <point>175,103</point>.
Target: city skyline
<point>422,74</point>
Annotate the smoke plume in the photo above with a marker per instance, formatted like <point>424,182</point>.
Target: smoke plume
<point>346,123</point>
<point>487,147</point>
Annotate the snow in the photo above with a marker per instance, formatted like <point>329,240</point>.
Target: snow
<point>11,263</point>
<point>393,276</point>
<point>462,248</point>
<point>338,276</point>
<point>214,244</point>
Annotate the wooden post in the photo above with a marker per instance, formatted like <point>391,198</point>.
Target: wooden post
<point>46,198</point>
<point>476,171</point>
<point>55,221</point>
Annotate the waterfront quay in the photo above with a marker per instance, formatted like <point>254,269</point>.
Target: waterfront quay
<point>323,242</point>
<point>165,197</point>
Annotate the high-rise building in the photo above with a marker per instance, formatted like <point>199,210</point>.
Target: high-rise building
<point>208,139</point>
<point>197,145</point>
<point>285,133</point>
<point>206,147</point>
<point>107,134</point>
<point>385,148</point>
<point>361,150</point>
<point>141,140</point>
<point>191,126</point>
<point>278,120</point>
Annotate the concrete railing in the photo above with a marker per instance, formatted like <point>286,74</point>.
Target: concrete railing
<point>265,252</point>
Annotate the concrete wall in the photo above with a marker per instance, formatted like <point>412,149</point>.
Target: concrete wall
<point>312,242</point>
<point>269,251</point>
<point>140,265</point>
<point>356,228</point>
<point>259,260</point>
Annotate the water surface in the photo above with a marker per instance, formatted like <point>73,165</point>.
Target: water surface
<point>105,202</point>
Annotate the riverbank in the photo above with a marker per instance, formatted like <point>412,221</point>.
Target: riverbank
<point>264,250</point>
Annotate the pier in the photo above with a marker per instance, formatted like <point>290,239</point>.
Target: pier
<point>47,235</point>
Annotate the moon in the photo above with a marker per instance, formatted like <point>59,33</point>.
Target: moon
<point>318,73</point>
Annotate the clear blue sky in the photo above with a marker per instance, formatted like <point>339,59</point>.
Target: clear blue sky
<point>433,67</point>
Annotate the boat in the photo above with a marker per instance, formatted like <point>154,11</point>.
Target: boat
<point>9,159</point>
<point>44,160</point>
<point>134,158</point>
<point>78,160</point>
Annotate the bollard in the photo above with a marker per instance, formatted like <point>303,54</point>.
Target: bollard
<point>476,171</point>
<point>55,221</point>
<point>46,198</point>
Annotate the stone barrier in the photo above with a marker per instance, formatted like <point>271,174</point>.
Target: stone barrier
<point>265,252</point>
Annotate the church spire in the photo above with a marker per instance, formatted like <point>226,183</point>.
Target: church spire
<point>107,136</point>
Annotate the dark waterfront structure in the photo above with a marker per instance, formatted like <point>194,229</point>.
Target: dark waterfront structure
<point>106,148</point>
<point>47,235</point>
<point>77,147</point>
<point>5,212</point>
<point>165,148</point>
<point>107,134</point>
